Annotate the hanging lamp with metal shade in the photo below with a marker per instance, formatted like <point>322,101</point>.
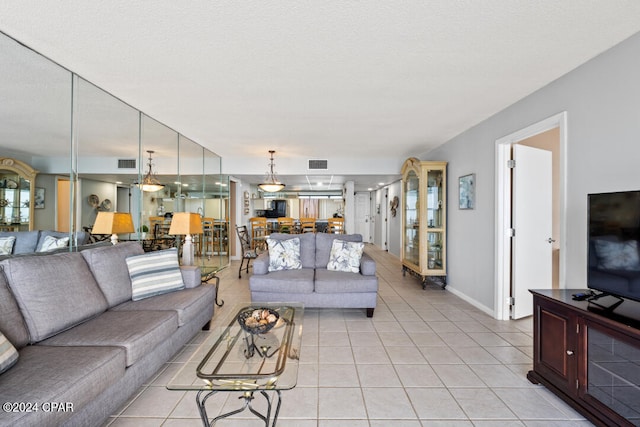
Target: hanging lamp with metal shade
<point>150,182</point>
<point>271,183</point>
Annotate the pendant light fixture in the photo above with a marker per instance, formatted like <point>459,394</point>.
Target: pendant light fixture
<point>271,183</point>
<point>150,182</point>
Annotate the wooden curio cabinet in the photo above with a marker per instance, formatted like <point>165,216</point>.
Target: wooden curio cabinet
<point>17,195</point>
<point>424,220</point>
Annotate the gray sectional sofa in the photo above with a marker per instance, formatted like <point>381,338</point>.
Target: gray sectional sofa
<point>313,284</point>
<point>31,241</point>
<point>82,341</point>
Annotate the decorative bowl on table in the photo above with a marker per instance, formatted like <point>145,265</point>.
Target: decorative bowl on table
<point>258,320</point>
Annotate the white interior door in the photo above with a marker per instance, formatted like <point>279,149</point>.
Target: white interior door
<point>363,215</point>
<point>532,222</point>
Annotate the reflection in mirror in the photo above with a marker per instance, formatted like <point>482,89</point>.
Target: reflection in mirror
<point>107,147</point>
<point>35,128</point>
<point>216,194</point>
<point>159,148</point>
<point>90,153</point>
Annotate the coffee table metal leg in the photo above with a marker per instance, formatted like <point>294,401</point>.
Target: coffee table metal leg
<point>248,397</point>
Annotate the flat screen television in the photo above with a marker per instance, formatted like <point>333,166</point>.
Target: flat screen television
<point>614,244</point>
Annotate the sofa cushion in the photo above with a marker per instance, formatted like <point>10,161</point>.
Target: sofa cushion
<point>290,281</point>
<point>154,273</point>
<point>26,241</point>
<point>58,374</point>
<point>187,303</point>
<point>367,265</point>
<point>54,292</point>
<point>50,243</point>
<point>307,246</point>
<point>109,267</point>
<point>138,332</point>
<point>11,321</point>
<point>284,254</point>
<point>8,354</point>
<point>324,241</point>
<point>329,282</point>
<point>345,256</point>
<point>6,245</point>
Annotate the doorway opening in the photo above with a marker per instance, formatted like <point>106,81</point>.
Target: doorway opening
<point>548,135</point>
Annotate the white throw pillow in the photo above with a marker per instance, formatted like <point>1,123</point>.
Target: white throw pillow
<point>284,254</point>
<point>6,245</point>
<point>345,256</point>
<point>50,243</point>
<point>8,354</point>
<point>154,273</point>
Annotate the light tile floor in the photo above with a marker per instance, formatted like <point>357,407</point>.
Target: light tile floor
<point>425,359</point>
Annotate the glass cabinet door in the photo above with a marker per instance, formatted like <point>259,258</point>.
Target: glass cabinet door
<point>434,219</point>
<point>434,199</point>
<point>411,218</point>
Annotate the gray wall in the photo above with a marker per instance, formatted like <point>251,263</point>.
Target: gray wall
<point>602,100</point>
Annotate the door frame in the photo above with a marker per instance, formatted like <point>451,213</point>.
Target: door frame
<point>502,287</point>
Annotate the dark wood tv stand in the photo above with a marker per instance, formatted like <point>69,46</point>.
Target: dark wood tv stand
<point>587,356</point>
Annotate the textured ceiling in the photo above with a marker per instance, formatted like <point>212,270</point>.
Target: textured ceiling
<point>320,79</point>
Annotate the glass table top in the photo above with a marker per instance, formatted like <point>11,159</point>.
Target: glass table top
<point>231,359</point>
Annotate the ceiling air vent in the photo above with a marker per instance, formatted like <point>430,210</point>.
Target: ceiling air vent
<point>318,165</point>
<point>127,164</point>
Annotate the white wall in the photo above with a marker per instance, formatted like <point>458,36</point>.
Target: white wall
<point>394,224</point>
<point>602,99</point>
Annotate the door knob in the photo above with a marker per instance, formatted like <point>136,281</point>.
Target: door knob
<point>550,240</point>
<point>570,353</point>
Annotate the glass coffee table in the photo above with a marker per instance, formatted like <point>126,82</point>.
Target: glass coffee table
<point>233,360</point>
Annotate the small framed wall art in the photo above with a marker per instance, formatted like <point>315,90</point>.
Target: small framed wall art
<point>39,198</point>
<point>467,191</point>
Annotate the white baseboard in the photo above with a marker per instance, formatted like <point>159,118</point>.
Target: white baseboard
<point>471,301</point>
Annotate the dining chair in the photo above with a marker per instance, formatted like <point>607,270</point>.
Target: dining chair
<point>307,225</point>
<point>248,252</point>
<point>335,225</point>
<point>286,225</point>
<point>259,232</point>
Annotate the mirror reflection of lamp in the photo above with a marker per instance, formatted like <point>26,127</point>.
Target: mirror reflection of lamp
<point>186,223</point>
<point>150,181</point>
<point>113,223</point>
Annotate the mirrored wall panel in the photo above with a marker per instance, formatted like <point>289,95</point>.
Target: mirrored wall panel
<point>71,151</point>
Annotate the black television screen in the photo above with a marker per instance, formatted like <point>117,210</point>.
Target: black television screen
<point>614,243</point>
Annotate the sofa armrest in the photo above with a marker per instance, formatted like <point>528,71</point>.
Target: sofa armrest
<point>261,264</point>
<point>191,276</point>
<point>367,265</point>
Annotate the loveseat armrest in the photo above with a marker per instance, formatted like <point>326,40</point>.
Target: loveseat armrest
<point>191,276</point>
<point>367,265</point>
<point>261,264</point>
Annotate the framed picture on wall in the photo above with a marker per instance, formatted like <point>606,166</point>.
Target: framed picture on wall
<point>467,191</point>
<point>38,200</point>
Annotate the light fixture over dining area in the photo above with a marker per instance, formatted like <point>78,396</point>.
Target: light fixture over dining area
<point>271,183</point>
<point>150,182</point>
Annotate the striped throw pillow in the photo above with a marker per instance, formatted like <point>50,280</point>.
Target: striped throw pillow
<point>154,273</point>
<point>8,354</point>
